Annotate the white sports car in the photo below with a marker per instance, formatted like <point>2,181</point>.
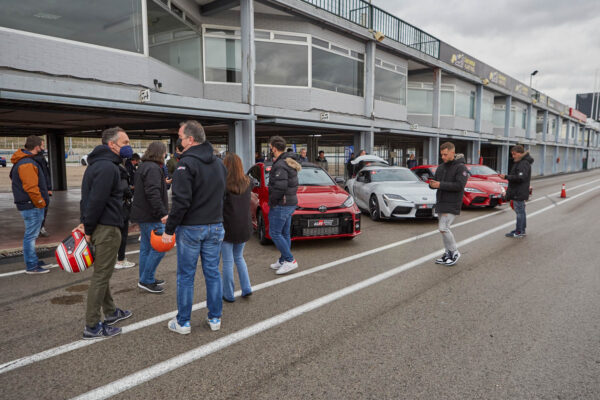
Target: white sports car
<point>391,192</point>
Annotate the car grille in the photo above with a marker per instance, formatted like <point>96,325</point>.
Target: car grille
<point>300,224</point>
<point>402,210</point>
<point>424,213</point>
<point>479,199</point>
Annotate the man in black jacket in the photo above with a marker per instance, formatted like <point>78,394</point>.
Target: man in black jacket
<point>518,187</point>
<point>450,179</point>
<point>40,158</point>
<point>197,219</point>
<point>283,185</point>
<point>101,220</point>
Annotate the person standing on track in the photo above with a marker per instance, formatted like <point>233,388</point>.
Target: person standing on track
<point>519,180</point>
<point>450,179</point>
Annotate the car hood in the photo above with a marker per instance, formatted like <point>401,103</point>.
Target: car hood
<point>484,185</point>
<point>316,196</point>
<point>417,192</point>
<point>491,178</point>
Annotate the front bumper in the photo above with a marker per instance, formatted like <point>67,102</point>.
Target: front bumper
<point>406,209</point>
<point>307,225</point>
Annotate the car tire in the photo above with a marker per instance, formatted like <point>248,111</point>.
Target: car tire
<point>261,229</point>
<point>374,210</point>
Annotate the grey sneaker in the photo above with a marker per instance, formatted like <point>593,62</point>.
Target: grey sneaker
<point>117,316</point>
<point>37,271</point>
<point>100,331</point>
<point>44,232</point>
<point>452,259</point>
<point>151,287</point>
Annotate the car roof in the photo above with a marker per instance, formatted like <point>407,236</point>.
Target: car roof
<point>383,166</point>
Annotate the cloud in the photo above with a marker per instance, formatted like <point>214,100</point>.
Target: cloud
<point>557,38</point>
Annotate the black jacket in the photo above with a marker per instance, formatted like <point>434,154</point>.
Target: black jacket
<point>198,189</point>
<point>41,160</point>
<point>150,200</point>
<point>453,177</point>
<point>127,191</point>
<point>519,179</point>
<point>101,190</point>
<point>237,220</point>
<point>283,181</point>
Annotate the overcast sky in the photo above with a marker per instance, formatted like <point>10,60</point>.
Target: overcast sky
<point>561,39</point>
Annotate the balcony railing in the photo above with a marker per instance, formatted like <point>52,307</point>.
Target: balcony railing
<point>368,16</point>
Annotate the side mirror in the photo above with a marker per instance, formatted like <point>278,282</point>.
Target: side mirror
<point>360,179</point>
<point>339,180</point>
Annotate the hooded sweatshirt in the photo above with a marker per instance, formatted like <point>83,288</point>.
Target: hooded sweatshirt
<point>519,179</point>
<point>283,181</point>
<point>29,185</point>
<point>198,189</point>
<point>101,190</point>
<point>453,177</point>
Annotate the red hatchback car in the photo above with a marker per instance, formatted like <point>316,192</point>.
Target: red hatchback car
<point>478,192</point>
<point>324,209</point>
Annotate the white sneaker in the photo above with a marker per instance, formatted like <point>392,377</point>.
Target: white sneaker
<point>214,323</point>
<point>124,264</point>
<point>276,265</point>
<point>175,327</point>
<point>453,259</point>
<point>287,267</point>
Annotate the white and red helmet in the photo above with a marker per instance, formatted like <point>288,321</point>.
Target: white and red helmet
<point>74,254</point>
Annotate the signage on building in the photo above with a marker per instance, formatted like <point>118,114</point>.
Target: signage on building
<point>144,96</point>
<point>324,116</point>
<point>577,114</point>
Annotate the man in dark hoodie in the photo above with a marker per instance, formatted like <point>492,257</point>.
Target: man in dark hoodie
<point>283,185</point>
<point>30,192</point>
<point>518,187</point>
<point>40,158</point>
<point>450,179</point>
<point>101,220</point>
<point>196,218</point>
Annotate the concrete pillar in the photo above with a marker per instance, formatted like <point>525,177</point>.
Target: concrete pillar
<point>568,131</point>
<point>437,97</point>
<point>554,163</point>
<point>370,78</point>
<point>543,160</point>
<point>433,150</point>
<point>172,143</point>
<point>545,126</point>
<point>529,128</point>
<point>247,127</point>
<point>475,147</point>
<point>504,154</point>
<point>55,146</point>
<point>478,107</point>
<point>366,141</point>
<point>558,127</point>
<point>507,116</point>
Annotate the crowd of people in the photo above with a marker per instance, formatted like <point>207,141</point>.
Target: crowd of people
<point>209,218</point>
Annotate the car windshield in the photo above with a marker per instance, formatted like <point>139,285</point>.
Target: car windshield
<point>481,170</point>
<point>392,175</point>
<point>308,176</point>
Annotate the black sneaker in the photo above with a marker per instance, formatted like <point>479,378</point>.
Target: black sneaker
<point>100,331</point>
<point>452,259</point>
<point>151,287</point>
<point>117,316</point>
<point>159,282</point>
<point>443,258</point>
<point>515,234</point>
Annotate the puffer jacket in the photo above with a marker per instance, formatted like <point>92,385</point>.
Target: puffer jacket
<point>29,185</point>
<point>283,181</point>
<point>519,179</point>
<point>453,177</point>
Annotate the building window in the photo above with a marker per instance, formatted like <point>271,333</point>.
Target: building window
<point>111,23</point>
<point>487,110</point>
<point>281,59</point>
<point>390,82</point>
<point>465,104</point>
<point>420,99</point>
<point>172,41</point>
<point>499,116</point>
<point>337,69</point>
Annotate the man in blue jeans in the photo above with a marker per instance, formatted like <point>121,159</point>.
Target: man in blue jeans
<point>519,179</point>
<point>196,219</point>
<point>283,186</point>
<point>30,191</point>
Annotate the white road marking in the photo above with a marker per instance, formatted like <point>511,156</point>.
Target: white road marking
<point>53,352</point>
<point>183,359</point>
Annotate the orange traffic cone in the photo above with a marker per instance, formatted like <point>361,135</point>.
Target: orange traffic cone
<point>563,192</point>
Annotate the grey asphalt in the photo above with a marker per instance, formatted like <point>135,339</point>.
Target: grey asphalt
<point>514,319</point>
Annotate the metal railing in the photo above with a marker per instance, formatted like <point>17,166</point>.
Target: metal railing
<point>368,16</point>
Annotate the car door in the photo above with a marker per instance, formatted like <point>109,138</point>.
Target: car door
<point>360,189</point>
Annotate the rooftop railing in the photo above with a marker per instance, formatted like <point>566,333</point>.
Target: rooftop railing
<point>368,16</point>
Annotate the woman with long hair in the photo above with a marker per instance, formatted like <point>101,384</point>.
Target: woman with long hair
<point>150,206</point>
<point>238,227</point>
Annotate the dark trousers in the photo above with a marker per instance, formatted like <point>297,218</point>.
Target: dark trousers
<point>124,234</point>
<point>106,241</point>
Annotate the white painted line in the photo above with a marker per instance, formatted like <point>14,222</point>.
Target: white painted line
<point>21,362</point>
<point>183,359</point>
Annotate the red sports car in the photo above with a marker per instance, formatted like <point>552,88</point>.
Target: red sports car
<point>478,192</point>
<point>324,209</point>
<point>485,172</point>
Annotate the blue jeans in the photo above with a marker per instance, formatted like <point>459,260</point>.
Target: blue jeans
<point>149,258</point>
<point>33,223</point>
<point>521,216</point>
<point>231,252</point>
<point>280,221</point>
<point>202,241</point>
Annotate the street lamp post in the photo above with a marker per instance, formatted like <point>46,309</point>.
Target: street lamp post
<point>531,77</point>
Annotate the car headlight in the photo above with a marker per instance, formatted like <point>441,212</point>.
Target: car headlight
<point>389,196</point>
<point>473,190</point>
<point>349,202</point>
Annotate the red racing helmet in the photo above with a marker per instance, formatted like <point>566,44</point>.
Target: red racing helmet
<point>74,254</point>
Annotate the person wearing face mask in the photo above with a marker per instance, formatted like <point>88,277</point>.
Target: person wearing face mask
<point>40,158</point>
<point>30,192</point>
<point>127,171</point>
<point>101,220</point>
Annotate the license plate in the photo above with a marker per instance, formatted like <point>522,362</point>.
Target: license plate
<point>423,206</point>
<point>495,196</point>
<point>313,223</point>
